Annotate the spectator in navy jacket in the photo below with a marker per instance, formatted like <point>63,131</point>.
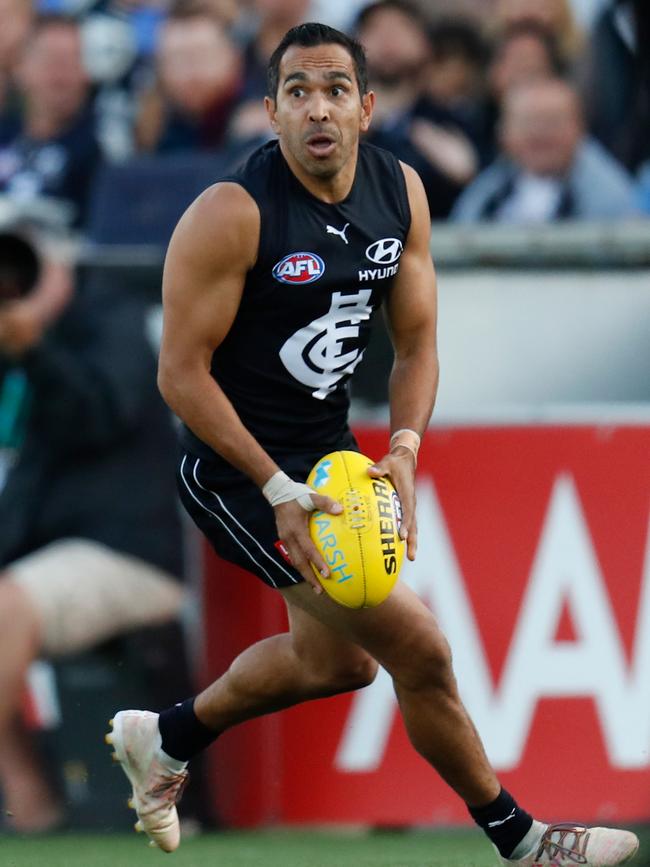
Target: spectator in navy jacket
<point>50,148</point>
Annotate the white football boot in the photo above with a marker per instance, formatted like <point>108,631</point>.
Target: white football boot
<point>157,781</point>
<point>566,845</point>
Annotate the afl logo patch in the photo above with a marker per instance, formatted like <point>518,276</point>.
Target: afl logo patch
<point>385,252</point>
<point>299,268</point>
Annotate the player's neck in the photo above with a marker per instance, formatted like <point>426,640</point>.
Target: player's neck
<point>330,190</point>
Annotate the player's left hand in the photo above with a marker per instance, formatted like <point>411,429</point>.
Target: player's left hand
<point>399,467</point>
<point>293,528</point>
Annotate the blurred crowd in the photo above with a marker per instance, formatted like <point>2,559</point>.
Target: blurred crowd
<point>511,110</point>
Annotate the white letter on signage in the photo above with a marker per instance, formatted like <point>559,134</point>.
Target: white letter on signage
<point>565,571</point>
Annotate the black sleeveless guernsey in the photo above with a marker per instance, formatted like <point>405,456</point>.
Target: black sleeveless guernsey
<point>304,319</point>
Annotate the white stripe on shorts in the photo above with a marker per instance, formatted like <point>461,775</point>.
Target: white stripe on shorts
<point>222,522</point>
<point>241,527</point>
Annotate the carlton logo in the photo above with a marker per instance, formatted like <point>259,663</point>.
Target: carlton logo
<point>385,252</point>
<point>299,268</point>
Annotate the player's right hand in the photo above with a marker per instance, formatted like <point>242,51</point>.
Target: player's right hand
<point>399,467</point>
<point>293,529</point>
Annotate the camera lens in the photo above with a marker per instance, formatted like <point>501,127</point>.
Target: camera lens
<point>19,266</point>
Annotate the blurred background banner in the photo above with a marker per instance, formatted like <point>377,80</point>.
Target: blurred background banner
<point>534,553</point>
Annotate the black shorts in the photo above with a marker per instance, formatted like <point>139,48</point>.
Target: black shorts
<point>233,514</point>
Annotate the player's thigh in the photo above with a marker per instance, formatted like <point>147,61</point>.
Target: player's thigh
<point>401,634</point>
<point>323,649</point>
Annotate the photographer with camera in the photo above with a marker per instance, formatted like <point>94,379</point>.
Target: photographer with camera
<point>91,537</point>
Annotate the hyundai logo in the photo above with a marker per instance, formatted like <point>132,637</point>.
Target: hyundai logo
<point>385,252</point>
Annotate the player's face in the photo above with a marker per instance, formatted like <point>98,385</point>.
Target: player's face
<point>318,113</point>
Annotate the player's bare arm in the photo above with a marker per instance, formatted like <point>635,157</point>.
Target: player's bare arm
<point>411,313</point>
<point>214,245</point>
<point>212,249</point>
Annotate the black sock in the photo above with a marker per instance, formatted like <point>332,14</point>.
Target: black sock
<point>505,823</point>
<point>183,734</point>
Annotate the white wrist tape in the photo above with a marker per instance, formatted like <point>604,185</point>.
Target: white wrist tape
<point>407,438</point>
<point>281,489</point>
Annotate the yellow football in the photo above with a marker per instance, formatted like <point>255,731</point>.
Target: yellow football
<point>361,546</point>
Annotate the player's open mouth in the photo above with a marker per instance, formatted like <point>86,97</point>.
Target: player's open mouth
<point>320,145</point>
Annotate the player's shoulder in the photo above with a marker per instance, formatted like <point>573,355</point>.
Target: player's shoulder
<point>221,225</point>
<point>224,198</point>
<point>411,177</point>
<point>379,161</point>
<point>258,162</point>
<point>261,173</point>
<point>238,192</point>
<point>224,210</point>
<point>416,193</point>
<point>381,172</point>
<point>372,152</point>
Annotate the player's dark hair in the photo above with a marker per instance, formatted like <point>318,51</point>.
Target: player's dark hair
<point>308,36</point>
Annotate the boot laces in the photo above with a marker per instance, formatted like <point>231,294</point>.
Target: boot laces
<point>561,847</point>
<point>170,789</point>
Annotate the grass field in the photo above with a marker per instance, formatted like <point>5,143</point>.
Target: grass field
<point>264,849</point>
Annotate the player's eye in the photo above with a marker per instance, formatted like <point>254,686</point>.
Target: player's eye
<point>297,92</point>
<point>337,90</point>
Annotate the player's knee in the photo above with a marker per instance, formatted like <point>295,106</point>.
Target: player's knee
<point>348,675</point>
<point>430,668</point>
<point>361,673</point>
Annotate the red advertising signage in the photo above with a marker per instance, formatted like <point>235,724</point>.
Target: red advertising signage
<point>534,553</point>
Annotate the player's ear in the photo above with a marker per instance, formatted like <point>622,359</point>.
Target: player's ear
<point>367,108</point>
<point>271,108</point>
